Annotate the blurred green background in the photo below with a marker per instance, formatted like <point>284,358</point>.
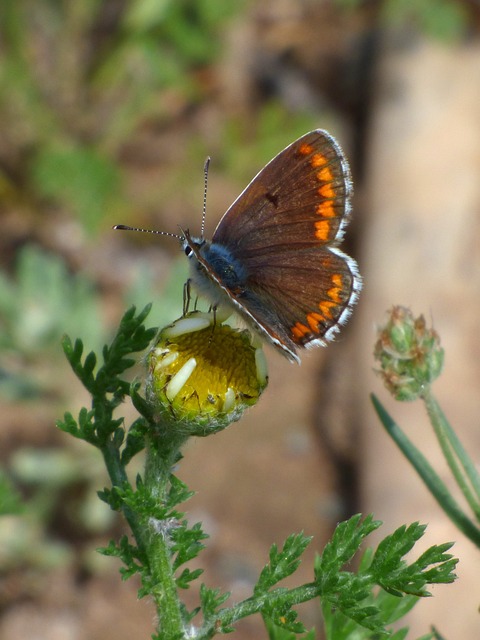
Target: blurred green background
<point>108,109</point>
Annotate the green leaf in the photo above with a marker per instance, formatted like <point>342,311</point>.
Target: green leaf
<point>282,563</point>
<point>90,364</point>
<point>144,408</point>
<point>178,492</point>
<point>285,620</point>
<point>187,576</point>
<point>341,548</point>
<point>187,543</point>
<point>135,441</point>
<point>279,632</point>
<point>348,601</point>
<point>130,555</point>
<point>69,425</point>
<point>426,472</point>
<point>211,600</point>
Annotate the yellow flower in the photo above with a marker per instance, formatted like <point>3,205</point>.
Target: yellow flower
<point>203,374</point>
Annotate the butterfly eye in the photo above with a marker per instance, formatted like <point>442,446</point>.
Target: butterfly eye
<point>188,250</point>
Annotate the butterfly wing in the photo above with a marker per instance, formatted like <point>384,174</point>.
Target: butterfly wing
<point>300,198</point>
<point>284,229</point>
<point>300,298</point>
<point>279,240</point>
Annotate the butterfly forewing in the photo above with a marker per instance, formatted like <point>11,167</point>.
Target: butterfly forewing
<point>302,197</point>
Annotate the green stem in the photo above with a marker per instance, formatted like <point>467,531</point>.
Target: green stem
<point>428,475</point>
<point>153,537</point>
<point>162,454</point>
<point>457,458</point>
<point>164,589</point>
<point>118,477</point>
<point>256,604</point>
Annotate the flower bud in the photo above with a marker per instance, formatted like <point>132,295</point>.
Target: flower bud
<point>203,374</point>
<point>409,354</point>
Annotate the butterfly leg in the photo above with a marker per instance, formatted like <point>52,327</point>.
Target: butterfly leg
<point>186,296</point>
<point>214,323</point>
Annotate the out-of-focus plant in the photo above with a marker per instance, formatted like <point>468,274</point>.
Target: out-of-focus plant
<point>274,129</point>
<point>445,20</point>
<point>77,79</point>
<point>36,306</point>
<point>41,487</point>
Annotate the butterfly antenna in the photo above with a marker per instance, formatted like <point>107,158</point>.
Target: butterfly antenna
<point>124,227</point>
<point>205,178</point>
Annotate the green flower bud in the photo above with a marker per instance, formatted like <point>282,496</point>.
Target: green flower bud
<point>203,374</point>
<point>409,354</point>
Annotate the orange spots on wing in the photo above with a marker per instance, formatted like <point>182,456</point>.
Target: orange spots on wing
<point>326,209</point>
<point>317,323</point>
<point>322,230</point>
<point>326,307</point>
<point>337,279</point>
<point>305,149</point>
<point>325,175</point>
<point>318,161</point>
<point>334,293</point>
<point>299,331</point>
<point>314,320</point>
<point>327,190</point>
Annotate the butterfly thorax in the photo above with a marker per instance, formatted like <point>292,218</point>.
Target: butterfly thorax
<point>212,264</point>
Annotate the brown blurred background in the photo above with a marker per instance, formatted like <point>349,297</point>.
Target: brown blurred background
<point>108,109</point>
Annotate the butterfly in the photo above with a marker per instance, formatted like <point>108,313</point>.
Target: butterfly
<point>274,258</point>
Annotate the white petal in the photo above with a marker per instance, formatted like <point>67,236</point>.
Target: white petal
<point>229,399</point>
<point>166,360</point>
<point>180,378</point>
<point>261,365</point>
<point>186,325</point>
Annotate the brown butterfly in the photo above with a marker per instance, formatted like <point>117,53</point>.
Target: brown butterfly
<point>274,256</point>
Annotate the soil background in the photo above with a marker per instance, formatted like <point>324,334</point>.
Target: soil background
<point>403,101</point>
